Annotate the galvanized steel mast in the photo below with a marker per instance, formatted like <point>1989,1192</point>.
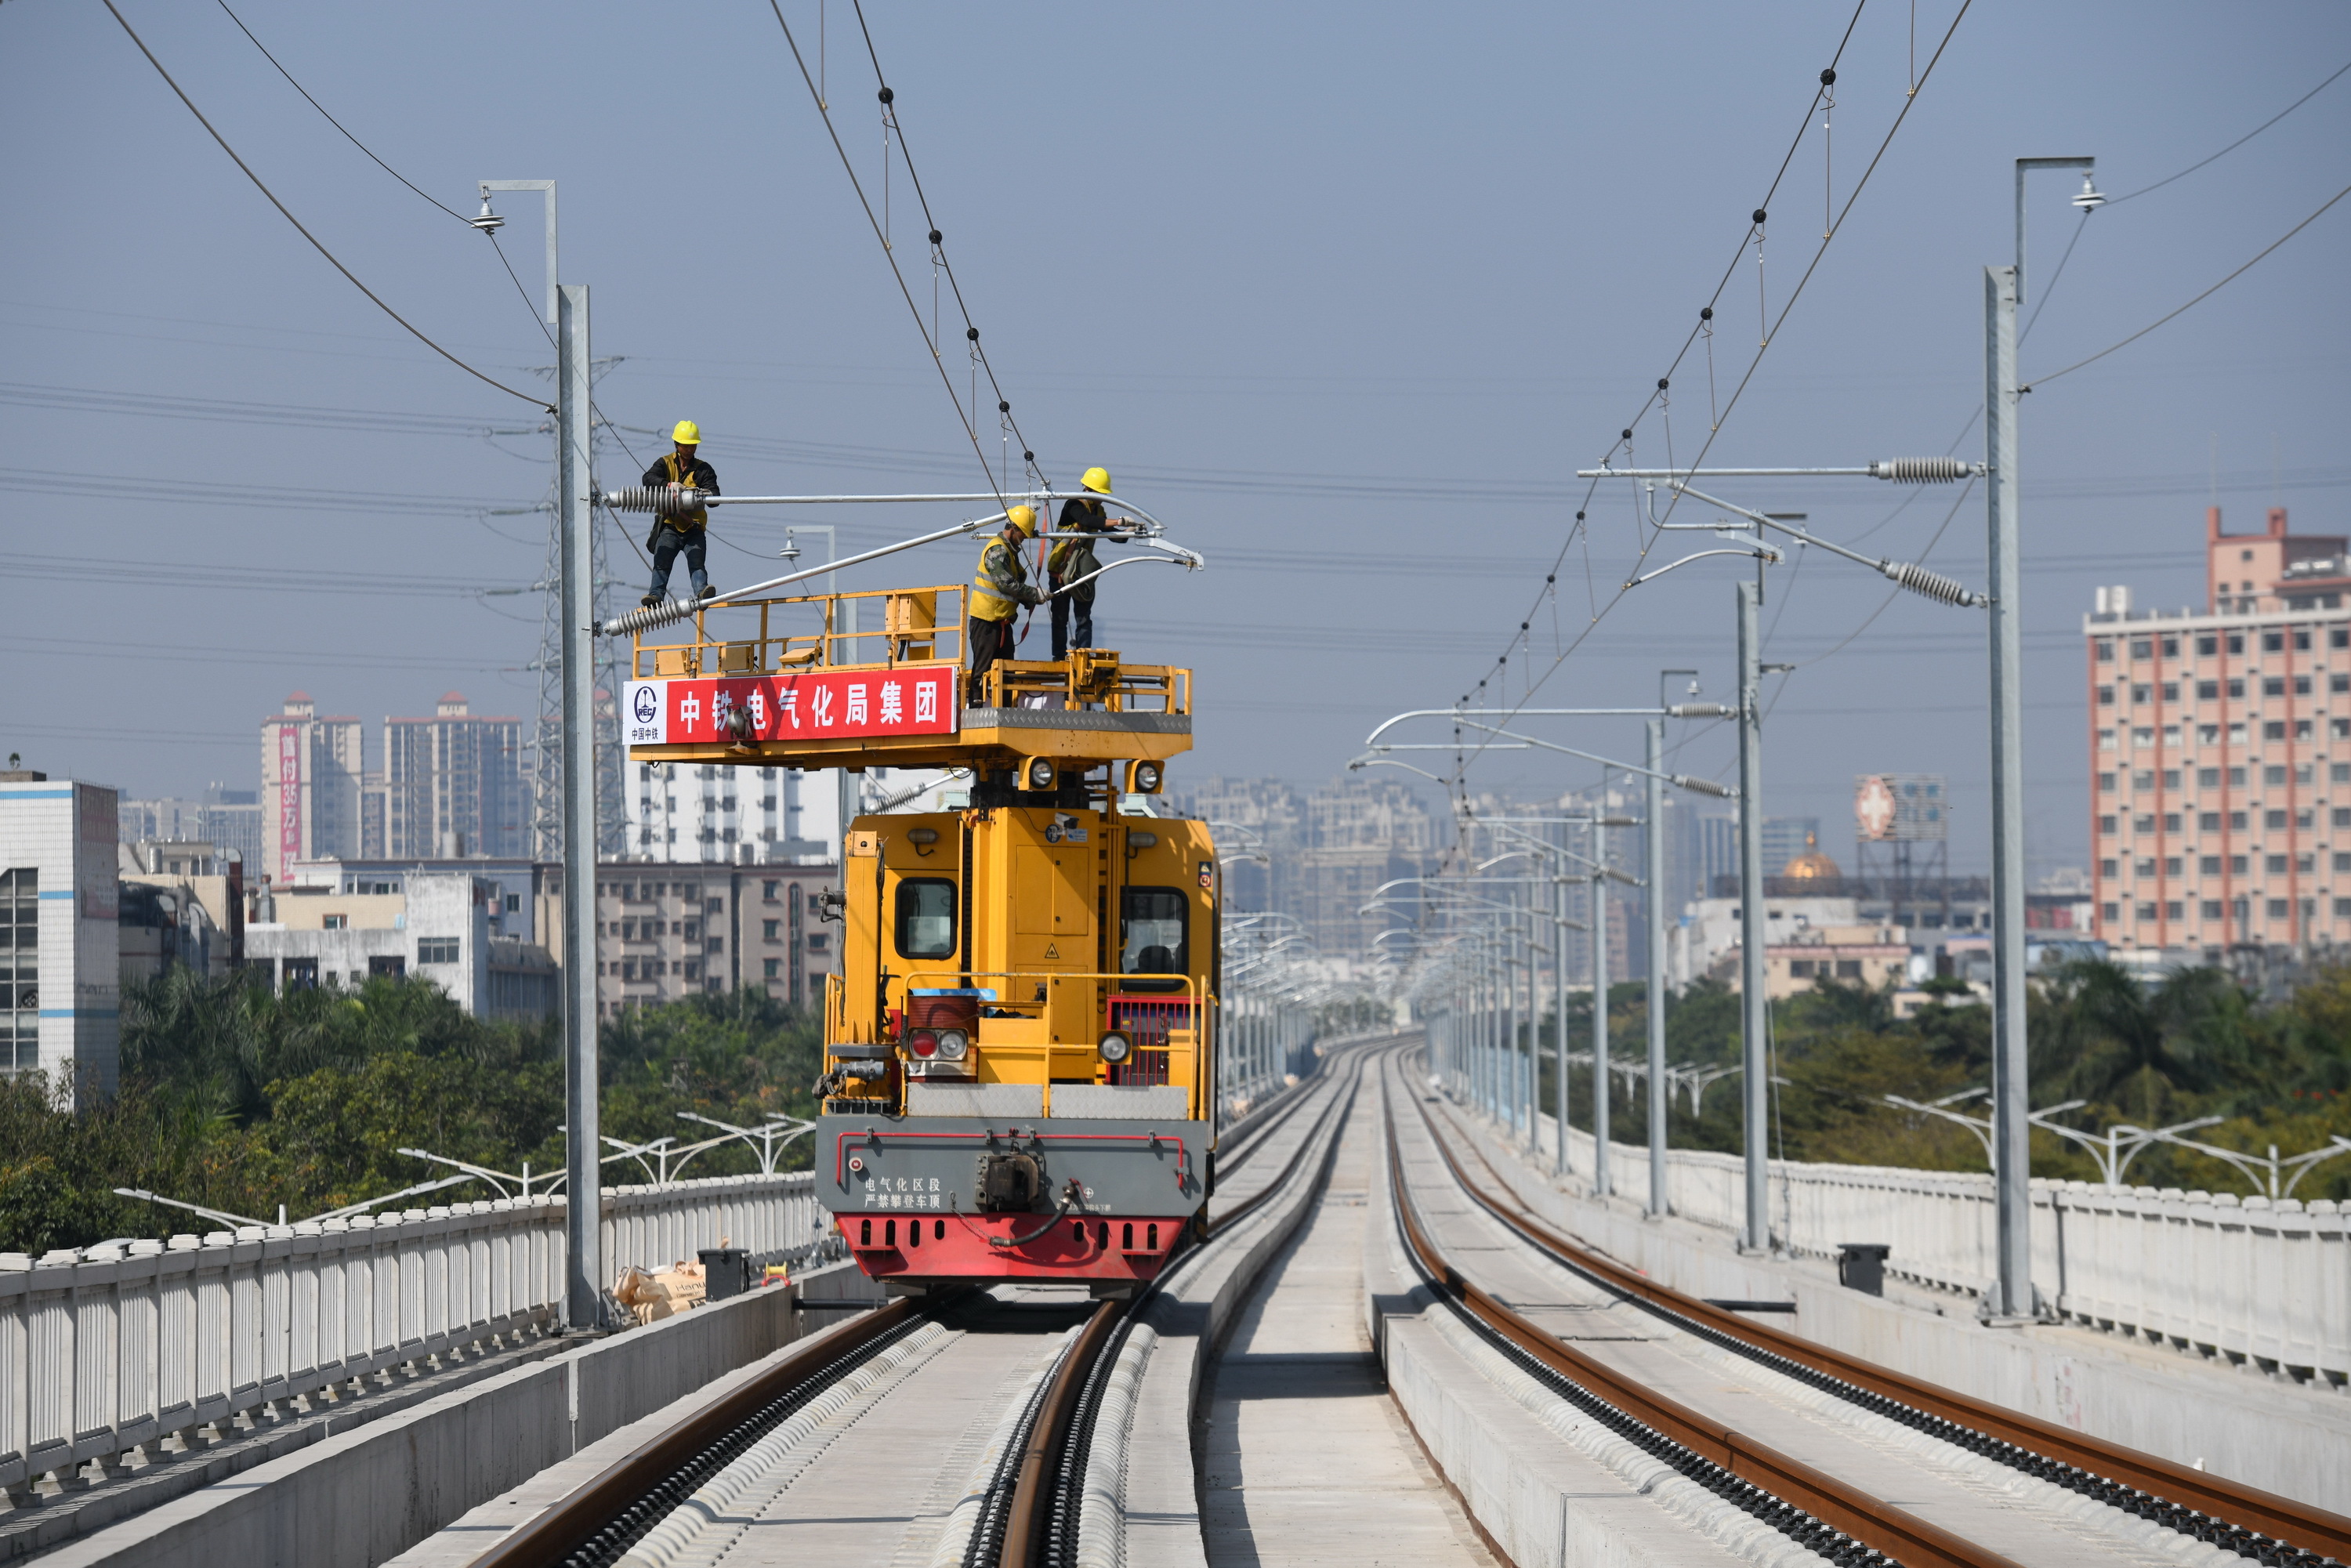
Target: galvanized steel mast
<point>575,502</point>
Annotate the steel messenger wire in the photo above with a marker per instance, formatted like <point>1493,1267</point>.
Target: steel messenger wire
<point>963,417</point>
<point>1537,683</point>
<point>2254,1523</point>
<point>938,245</point>
<point>288,214</point>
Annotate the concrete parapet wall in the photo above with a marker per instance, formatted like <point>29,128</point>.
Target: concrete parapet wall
<point>360,1498</point>
<point>2244,1278</point>
<point>107,1348</point>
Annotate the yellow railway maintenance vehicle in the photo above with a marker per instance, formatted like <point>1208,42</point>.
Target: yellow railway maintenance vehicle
<point>1019,1048</point>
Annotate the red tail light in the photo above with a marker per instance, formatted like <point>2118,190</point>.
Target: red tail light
<point>923,1043</point>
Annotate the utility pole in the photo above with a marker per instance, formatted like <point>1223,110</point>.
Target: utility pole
<point>1599,995</point>
<point>1754,1004</point>
<point>1559,1031</point>
<point>575,508</point>
<point>2010,1064</point>
<point>1655,758</point>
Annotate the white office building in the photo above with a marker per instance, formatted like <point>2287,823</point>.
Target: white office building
<point>60,974</point>
<point>684,814</point>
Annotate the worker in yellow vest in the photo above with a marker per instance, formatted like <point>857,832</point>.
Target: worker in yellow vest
<point>675,530</point>
<point>1073,563</point>
<point>1001,587</point>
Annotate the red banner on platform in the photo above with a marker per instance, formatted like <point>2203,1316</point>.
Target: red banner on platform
<point>820,704</point>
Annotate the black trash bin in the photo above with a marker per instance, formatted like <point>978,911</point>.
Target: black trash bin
<point>1861,1265</point>
<point>726,1269</point>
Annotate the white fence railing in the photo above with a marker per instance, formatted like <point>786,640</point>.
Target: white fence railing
<point>112,1347</point>
<point>2244,1279</point>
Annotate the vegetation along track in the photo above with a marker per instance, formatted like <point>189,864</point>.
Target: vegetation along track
<point>1837,1519</point>
<point>1028,1515</point>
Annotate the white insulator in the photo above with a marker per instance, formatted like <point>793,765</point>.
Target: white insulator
<point>1933,584</point>
<point>1921,470</point>
<point>645,620</point>
<point>665,501</point>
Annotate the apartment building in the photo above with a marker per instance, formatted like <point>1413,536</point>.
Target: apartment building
<point>666,931</point>
<point>2220,753</point>
<point>452,786</point>
<point>684,814</point>
<point>311,771</point>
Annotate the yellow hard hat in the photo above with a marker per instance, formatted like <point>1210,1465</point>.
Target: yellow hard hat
<point>1024,518</point>
<point>1097,480</point>
<point>687,434</point>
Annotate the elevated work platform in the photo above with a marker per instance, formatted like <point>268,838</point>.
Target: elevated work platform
<point>789,682</point>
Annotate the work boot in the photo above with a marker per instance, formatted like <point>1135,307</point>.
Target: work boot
<point>649,599</point>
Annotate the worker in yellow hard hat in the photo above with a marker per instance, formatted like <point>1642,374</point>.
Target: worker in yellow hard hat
<point>680,528</point>
<point>1001,587</point>
<point>1071,563</point>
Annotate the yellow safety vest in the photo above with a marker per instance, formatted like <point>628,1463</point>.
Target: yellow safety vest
<point>987,604</point>
<point>700,516</point>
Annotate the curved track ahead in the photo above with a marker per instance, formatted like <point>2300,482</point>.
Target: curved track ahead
<point>1818,1444</point>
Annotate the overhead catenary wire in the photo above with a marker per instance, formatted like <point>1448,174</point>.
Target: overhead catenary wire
<point>288,214</point>
<point>338,124</point>
<point>2239,141</point>
<point>965,418</point>
<point>1701,332</point>
<point>2182,310</point>
<point>938,243</point>
<point>1787,307</point>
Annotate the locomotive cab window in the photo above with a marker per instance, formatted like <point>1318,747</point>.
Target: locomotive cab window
<point>927,917</point>
<point>1153,934</point>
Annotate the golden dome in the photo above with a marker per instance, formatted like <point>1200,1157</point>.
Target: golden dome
<point>1811,865</point>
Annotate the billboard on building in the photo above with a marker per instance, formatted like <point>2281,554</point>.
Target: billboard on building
<point>1900,806</point>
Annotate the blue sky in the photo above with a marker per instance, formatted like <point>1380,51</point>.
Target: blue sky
<point>1356,288</point>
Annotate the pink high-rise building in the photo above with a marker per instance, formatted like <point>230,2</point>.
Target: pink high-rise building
<point>2221,752</point>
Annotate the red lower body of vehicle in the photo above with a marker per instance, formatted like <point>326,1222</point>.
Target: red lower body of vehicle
<point>914,1246</point>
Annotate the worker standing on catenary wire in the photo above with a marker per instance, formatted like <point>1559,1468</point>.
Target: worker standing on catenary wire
<point>1073,561</point>
<point>1001,587</point>
<point>681,470</point>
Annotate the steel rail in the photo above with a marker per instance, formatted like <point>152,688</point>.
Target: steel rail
<point>1870,1521</point>
<point>1041,1532</point>
<point>2230,1514</point>
<point>1034,1497</point>
<point>600,1519</point>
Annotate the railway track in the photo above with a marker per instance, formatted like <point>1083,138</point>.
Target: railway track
<point>1025,1367</point>
<point>1655,1379</point>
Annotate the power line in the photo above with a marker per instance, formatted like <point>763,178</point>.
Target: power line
<point>1702,330</point>
<point>2207,294</point>
<point>938,244</point>
<point>970,431</point>
<point>331,119</point>
<point>2239,141</point>
<point>49,482</point>
<point>288,214</point>
<point>1769,335</point>
<point>314,103</point>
